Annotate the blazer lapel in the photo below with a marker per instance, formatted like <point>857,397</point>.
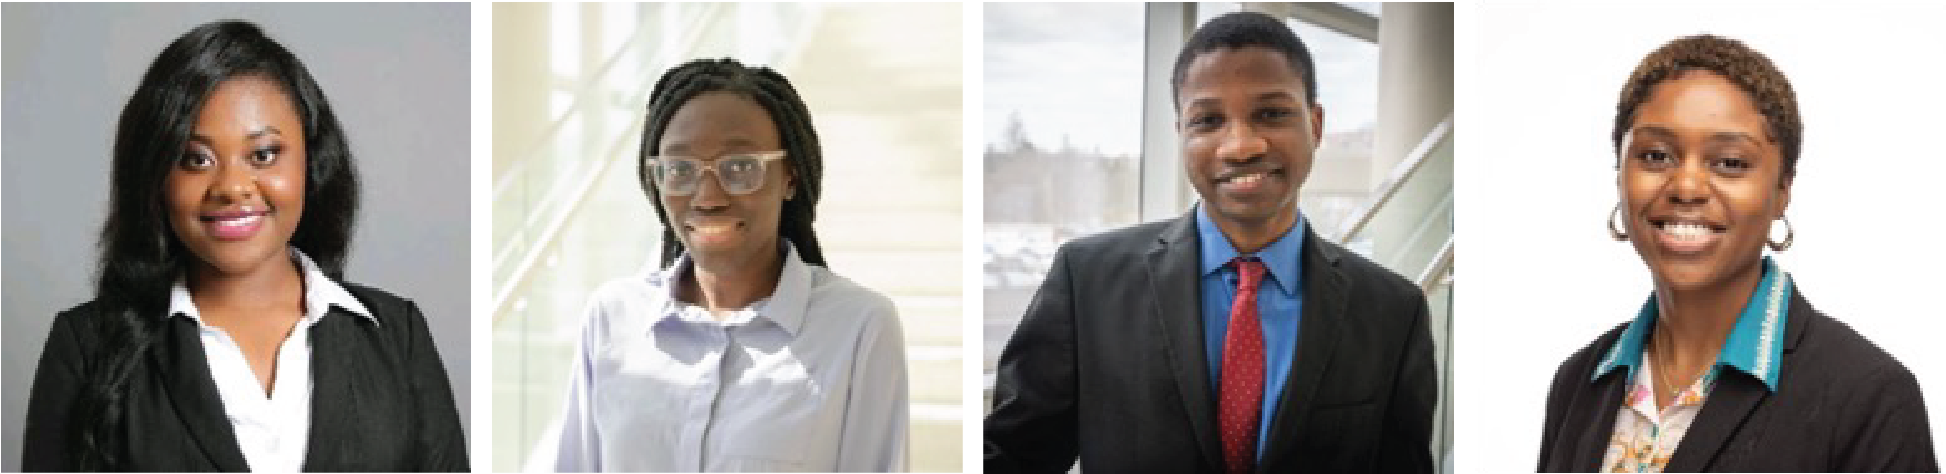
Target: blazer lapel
<point>333,410</point>
<point>1175,305</point>
<point>193,392</point>
<point>1724,413</point>
<point>1597,420</point>
<point>1731,402</point>
<point>1325,293</point>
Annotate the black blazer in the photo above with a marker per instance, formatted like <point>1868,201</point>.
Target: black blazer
<point>380,402</point>
<point>1108,365</point>
<point>1842,404</point>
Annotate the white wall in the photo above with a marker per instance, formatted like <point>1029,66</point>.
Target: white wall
<point>1540,85</point>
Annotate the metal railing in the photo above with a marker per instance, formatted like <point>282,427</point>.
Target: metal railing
<point>1406,169</point>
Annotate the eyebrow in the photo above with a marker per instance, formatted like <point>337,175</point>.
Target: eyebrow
<point>1719,137</point>
<point>732,142</point>
<point>1264,97</point>
<point>253,135</point>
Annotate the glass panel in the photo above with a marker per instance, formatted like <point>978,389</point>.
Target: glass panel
<point>572,215</point>
<point>1063,112</point>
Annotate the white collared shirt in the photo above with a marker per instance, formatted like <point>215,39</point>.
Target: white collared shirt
<point>271,432</point>
<point>812,378</point>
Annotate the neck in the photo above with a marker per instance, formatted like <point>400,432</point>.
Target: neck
<point>724,287</point>
<point>1251,235</point>
<point>269,283</point>
<point>1693,323</point>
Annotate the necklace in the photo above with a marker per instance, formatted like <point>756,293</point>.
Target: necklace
<point>1662,372</point>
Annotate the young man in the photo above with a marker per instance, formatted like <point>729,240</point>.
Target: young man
<point>1231,339</point>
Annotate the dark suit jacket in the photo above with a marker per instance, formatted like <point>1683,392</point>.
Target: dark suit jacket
<point>380,402</point>
<point>1842,404</point>
<point>1108,365</point>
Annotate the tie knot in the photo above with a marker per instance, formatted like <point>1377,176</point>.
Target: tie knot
<point>1250,272</point>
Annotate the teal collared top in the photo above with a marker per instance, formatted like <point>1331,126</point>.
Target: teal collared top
<point>1755,343</point>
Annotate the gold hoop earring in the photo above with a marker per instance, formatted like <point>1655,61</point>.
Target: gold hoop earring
<point>1790,233</point>
<point>1612,231</point>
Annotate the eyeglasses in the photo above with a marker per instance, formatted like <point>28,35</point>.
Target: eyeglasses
<point>739,174</point>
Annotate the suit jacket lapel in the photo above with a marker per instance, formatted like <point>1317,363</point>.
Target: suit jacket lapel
<point>1730,403</point>
<point>1326,291</point>
<point>1724,413</point>
<point>1176,307</point>
<point>333,404</point>
<point>193,392</point>
<point>1597,420</point>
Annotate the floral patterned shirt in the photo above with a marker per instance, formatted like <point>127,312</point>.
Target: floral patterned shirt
<point>1645,438</point>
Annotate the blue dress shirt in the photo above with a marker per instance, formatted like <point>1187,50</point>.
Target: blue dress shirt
<point>1279,301</point>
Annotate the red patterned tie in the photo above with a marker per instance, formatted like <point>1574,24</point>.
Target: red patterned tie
<point>1243,372</point>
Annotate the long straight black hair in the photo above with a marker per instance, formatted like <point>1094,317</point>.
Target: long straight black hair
<point>140,256</point>
<point>793,120</point>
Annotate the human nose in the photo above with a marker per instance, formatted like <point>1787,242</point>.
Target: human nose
<point>709,189</point>
<point>234,182</point>
<point>1241,143</point>
<point>1689,183</point>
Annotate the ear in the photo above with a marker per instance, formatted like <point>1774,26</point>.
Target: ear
<point>790,183</point>
<point>1784,194</point>
<point>1317,125</point>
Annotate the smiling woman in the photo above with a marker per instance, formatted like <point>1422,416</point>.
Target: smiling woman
<point>1707,137</point>
<point>222,335</point>
<point>800,369</point>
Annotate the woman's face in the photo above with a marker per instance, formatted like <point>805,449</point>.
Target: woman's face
<point>236,193</point>
<point>717,227</point>
<point>1701,181</point>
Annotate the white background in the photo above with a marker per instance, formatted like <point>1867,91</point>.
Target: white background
<point>1537,92</point>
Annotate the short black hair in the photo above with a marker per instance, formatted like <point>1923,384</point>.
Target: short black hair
<point>140,256</point>
<point>1245,29</point>
<point>1749,69</point>
<point>774,93</point>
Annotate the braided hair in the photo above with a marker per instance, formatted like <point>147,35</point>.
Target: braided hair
<point>140,257</point>
<point>774,93</point>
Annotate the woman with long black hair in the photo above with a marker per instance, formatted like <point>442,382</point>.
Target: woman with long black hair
<point>222,335</point>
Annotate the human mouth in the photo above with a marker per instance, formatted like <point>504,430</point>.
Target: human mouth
<point>712,231</point>
<point>1688,236</point>
<point>234,225</point>
<point>1247,182</point>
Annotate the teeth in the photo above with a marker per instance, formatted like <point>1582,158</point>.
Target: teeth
<point>712,228</point>
<point>1686,231</point>
<point>240,221</point>
<point>1247,179</point>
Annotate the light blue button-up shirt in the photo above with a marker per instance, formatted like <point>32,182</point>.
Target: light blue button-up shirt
<point>812,378</point>
<point>1280,301</point>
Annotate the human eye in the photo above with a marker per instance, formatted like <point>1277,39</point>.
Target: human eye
<point>1656,158</point>
<point>1275,115</point>
<point>1732,165</point>
<point>1204,122</point>
<point>196,159</point>
<point>266,155</point>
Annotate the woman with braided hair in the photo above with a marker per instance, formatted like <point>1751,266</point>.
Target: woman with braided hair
<point>739,349</point>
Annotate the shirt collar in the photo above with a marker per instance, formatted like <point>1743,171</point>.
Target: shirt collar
<point>1281,257</point>
<point>320,294</point>
<point>784,307</point>
<point>1754,346</point>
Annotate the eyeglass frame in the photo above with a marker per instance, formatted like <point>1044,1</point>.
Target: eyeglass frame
<point>762,159</point>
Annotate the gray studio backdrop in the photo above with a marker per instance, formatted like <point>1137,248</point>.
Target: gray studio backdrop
<point>396,75</point>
